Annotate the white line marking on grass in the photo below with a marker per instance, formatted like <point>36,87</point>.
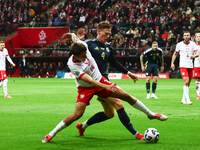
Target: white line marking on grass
<point>187,114</point>
<point>37,93</point>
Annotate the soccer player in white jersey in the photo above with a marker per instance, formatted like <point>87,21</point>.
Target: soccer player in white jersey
<point>90,82</point>
<point>3,76</point>
<point>188,51</point>
<point>197,66</point>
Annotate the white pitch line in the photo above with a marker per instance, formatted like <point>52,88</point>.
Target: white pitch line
<point>187,114</point>
<point>37,93</point>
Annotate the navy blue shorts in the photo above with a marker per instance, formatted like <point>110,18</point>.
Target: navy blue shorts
<point>152,69</point>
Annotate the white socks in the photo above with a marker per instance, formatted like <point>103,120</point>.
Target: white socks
<point>198,88</point>
<point>186,92</point>
<point>140,106</point>
<point>58,128</point>
<point>1,83</point>
<point>84,125</point>
<point>5,86</point>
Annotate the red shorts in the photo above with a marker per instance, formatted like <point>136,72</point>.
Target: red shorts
<point>186,72</point>
<point>3,75</point>
<point>85,94</point>
<point>196,72</point>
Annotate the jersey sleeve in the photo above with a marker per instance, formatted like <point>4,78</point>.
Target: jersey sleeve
<point>77,71</point>
<point>177,48</point>
<point>6,51</point>
<point>116,64</point>
<point>195,47</point>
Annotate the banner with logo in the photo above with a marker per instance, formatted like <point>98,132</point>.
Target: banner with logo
<point>143,76</point>
<point>122,76</point>
<point>37,36</point>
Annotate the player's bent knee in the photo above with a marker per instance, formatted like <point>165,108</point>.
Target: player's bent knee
<point>110,115</point>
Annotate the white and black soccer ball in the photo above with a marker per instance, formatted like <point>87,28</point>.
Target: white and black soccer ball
<point>151,135</point>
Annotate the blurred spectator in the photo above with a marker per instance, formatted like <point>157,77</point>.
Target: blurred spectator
<point>186,22</point>
<point>164,35</point>
<point>196,11</point>
<point>58,21</point>
<point>62,14</point>
<point>133,51</point>
<point>10,70</point>
<point>176,74</point>
<point>36,68</point>
<point>50,70</point>
<point>30,69</point>
<point>169,72</point>
<point>33,23</point>
<point>131,42</point>
<point>59,67</point>
<point>49,23</point>
<point>67,68</point>
<point>179,38</point>
<point>9,26</point>
<point>23,66</point>
<point>82,18</point>
<point>43,70</point>
<point>135,31</point>
<point>135,68</point>
<point>127,65</point>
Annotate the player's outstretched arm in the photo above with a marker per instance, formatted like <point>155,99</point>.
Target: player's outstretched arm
<point>132,76</point>
<point>92,82</point>
<point>173,59</point>
<point>10,60</point>
<point>81,33</point>
<point>141,62</point>
<point>70,36</point>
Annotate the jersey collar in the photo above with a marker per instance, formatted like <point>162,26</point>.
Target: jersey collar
<point>185,43</point>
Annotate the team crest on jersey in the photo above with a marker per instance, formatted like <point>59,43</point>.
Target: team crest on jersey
<point>77,73</point>
<point>102,48</point>
<point>87,61</point>
<point>82,96</point>
<point>107,49</point>
<point>96,48</point>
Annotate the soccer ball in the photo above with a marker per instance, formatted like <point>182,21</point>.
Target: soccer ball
<point>151,135</point>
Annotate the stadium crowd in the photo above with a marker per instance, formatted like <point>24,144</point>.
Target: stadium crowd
<point>135,23</point>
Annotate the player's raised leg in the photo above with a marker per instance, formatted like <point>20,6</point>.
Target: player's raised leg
<point>137,104</point>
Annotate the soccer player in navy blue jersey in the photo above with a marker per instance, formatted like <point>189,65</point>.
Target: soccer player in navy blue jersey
<point>154,58</point>
<point>102,53</point>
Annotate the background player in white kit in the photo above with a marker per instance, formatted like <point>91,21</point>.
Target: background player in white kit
<point>197,66</point>
<point>3,76</point>
<point>186,49</point>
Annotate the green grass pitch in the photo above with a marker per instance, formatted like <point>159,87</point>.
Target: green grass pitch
<point>38,105</point>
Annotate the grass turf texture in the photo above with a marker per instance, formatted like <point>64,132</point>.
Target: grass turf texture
<point>38,105</point>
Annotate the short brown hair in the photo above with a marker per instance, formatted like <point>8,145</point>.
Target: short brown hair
<point>186,32</point>
<point>77,48</point>
<point>154,42</point>
<point>104,24</point>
